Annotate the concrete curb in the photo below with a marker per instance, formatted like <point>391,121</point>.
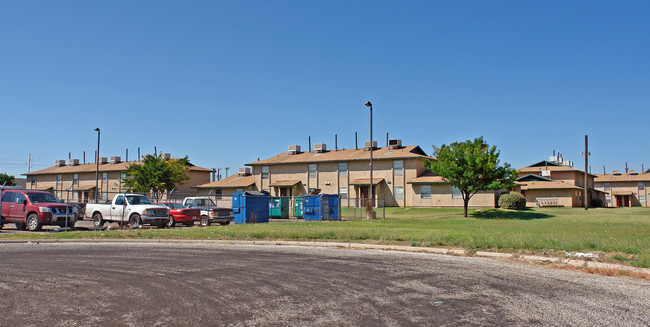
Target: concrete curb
<point>361,246</point>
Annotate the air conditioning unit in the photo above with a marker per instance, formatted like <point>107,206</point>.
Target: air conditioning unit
<point>166,156</point>
<point>546,173</point>
<point>552,159</point>
<point>394,144</point>
<point>244,171</point>
<point>615,172</point>
<point>320,147</point>
<point>294,149</point>
<point>74,162</point>
<point>103,160</point>
<point>59,163</point>
<point>116,159</point>
<point>366,144</point>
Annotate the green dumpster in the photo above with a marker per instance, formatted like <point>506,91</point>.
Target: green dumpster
<point>279,207</point>
<point>297,207</point>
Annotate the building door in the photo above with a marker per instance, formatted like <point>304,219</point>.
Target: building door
<point>626,200</point>
<point>365,191</point>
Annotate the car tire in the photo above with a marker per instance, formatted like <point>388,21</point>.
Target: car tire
<point>205,221</point>
<point>32,223</point>
<point>20,226</point>
<point>135,221</point>
<point>171,222</point>
<point>98,220</point>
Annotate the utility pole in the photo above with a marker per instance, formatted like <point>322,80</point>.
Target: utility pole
<point>29,163</point>
<point>586,196</point>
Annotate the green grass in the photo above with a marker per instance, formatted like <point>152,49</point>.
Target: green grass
<point>615,233</point>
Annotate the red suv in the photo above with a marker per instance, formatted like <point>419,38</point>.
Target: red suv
<point>33,209</point>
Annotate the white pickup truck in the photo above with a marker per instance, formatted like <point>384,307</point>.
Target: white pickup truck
<point>134,209</point>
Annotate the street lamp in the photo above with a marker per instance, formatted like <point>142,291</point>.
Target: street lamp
<point>97,166</point>
<point>369,105</point>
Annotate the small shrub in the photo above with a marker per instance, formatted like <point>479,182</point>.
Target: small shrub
<point>596,203</point>
<point>513,201</point>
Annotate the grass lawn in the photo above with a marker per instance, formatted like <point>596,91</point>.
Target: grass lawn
<point>614,233</point>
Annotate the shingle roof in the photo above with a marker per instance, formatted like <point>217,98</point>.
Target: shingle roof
<point>622,178</point>
<point>89,168</point>
<point>407,152</point>
<point>233,181</point>
<point>535,169</point>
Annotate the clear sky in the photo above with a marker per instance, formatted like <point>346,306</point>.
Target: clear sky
<point>226,82</point>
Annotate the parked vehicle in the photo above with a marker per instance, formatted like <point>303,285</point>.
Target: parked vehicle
<point>134,209</point>
<point>32,210</point>
<point>210,213</point>
<point>181,214</point>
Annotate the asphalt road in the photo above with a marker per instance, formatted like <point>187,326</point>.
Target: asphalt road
<point>144,284</point>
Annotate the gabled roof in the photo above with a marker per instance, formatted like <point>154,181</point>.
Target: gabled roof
<point>545,163</point>
<point>533,177</point>
<point>407,152</point>
<point>428,177</point>
<point>233,181</point>
<point>622,178</point>
<point>91,167</point>
<point>536,168</point>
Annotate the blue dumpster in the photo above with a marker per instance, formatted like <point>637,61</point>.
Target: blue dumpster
<point>320,207</point>
<point>250,207</point>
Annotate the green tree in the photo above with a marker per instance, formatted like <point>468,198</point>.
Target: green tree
<point>156,174</point>
<point>471,166</point>
<point>8,179</point>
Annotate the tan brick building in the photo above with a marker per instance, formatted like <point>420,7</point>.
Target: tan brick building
<point>222,190</point>
<point>624,190</point>
<point>77,181</point>
<point>548,183</point>
<point>399,177</point>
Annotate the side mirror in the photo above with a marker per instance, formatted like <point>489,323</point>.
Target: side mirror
<point>25,202</point>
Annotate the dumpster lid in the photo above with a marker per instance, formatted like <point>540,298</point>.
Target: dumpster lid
<point>255,193</point>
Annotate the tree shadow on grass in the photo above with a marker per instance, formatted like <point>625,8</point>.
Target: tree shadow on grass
<point>507,214</point>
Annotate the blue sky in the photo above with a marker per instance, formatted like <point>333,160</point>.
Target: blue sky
<point>228,82</point>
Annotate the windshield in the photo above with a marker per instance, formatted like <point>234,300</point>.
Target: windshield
<point>137,199</point>
<point>204,202</point>
<point>175,206</point>
<point>42,197</point>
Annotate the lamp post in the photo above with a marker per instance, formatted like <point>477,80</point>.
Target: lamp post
<point>372,199</point>
<point>97,166</point>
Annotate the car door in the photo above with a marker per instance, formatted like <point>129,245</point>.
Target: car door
<point>18,207</point>
<point>8,204</point>
<point>117,208</point>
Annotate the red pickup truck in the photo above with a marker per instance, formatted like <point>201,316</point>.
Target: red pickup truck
<point>31,210</point>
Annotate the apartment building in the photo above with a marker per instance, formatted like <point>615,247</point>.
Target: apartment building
<point>624,190</point>
<point>555,183</point>
<point>222,190</point>
<point>399,176</point>
<point>77,182</point>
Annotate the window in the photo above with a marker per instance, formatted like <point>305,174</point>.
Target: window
<point>123,175</point>
<point>455,193</point>
<point>218,194</point>
<point>104,196</point>
<point>58,180</point>
<point>399,192</point>
<point>343,191</point>
<point>642,198</point>
<point>608,198</point>
<point>104,177</point>
<point>641,186</point>
<point>20,198</point>
<point>312,170</point>
<point>75,179</point>
<point>119,200</point>
<point>425,191</point>
<point>265,172</point>
<point>8,197</point>
<point>608,187</point>
<point>33,181</point>
<point>58,194</point>
<point>343,169</point>
<point>398,167</point>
